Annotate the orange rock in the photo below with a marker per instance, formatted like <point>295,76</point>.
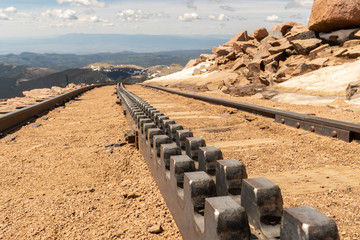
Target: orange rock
<point>331,15</point>
<point>242,36</point>
<point>261,33</point>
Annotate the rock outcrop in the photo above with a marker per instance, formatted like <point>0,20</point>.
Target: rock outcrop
<point>331,15</point>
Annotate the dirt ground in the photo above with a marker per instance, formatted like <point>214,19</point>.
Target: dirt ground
<point>59,181</point>
<point>311,170</point>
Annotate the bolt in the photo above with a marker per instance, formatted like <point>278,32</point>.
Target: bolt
<point>283,120</point>
<point>297,125</point>
<point>312,129</point>
<point>334,133</point>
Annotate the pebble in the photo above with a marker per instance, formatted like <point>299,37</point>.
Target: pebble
<point>10,138</point>
<point>155,229</point>
<point>120,144</point>
<point>35,125</point>
<point>45,118</point>
<point>131,195</point>
<point>109,150</point>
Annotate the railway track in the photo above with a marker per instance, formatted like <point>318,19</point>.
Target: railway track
<point>12,120</point>
<point>310,170</point>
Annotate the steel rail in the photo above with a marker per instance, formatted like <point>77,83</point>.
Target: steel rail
<point>323,126</point>
<point>12,120</point>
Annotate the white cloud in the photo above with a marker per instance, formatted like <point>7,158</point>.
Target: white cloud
<point>96,19</point>
<point>273,18</point>
<point>228,8</point>
<point>3,16</point>
<point>61,14</point>
<point>10,10</point>
<point>299,4</point>
<point>221,17</point>
<point>188,17</point>
<point>130,15</point>
<point>83,3</point>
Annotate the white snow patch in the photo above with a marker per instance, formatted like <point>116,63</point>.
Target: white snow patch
<point>328,79</point>
<point>302,99</point>
<point>184,74</point>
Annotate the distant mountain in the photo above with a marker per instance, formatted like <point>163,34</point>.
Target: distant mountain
<point>12,77</point>
<point>96,43</point>
<point>65,61</point>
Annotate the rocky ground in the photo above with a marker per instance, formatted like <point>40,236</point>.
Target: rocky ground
<point>62,178</point>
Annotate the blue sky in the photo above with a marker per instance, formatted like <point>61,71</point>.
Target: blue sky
<point>42,18</point>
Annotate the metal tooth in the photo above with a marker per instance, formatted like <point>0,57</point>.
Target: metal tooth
<point>158,140</point>
<point>172,130</point>
<point>139,117</point>
<point>156,115</point>
<point>181,136</point>
<point>225,219</point>
<point>307,223</point>
<point>165,125</point>
<point>229,176</point>
<point>142,122</point>
<point>151,133</point>
<point>192,145</point>
<point>159,119</point>
<point>178,166</point>
<point>263,203</point>
<point>152,112</point>
<point>146,127</point>
<point>197,187</point>
<point>207,157</point>
<point>168,150</point>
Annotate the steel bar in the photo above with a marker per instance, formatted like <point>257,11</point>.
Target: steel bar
<point>325,126</point>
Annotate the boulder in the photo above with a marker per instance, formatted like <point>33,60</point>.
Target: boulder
<point>192,63</point>
<point>242,46</point>
<point>231,56</point>
<point>223,51</point>
<point>263,49</point>
<point>338,37</point>
<point>204,57</point>
<point>317,63</point>
<point>277,27</point>
<point>314,53</point>
<point>305,46</point>
<point>280,46</point>
<point>353,90</point>
<point>256,66</point>
<point>260,33</point>
<point>353,53</point>
<point>275,34</point>
<point>287,27</point>
<point>239,63</point>
<point>330,15</point>
<point>242,36</point>
<point>351,43</point>
<point>271,67</point>
<point>357,34</point>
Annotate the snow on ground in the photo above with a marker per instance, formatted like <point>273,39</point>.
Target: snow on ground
<point>328,79</point>
<point>186,73</point>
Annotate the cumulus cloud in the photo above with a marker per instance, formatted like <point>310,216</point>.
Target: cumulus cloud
<point>228,8</point>
<point>3,16</point>
<point>191,4</point>
<point>60,14</point>
<point>96,19</point>
<point>273,18</point>
<point>299,4</point>
<point>188,17</point>
<point>129,15</point>
<point>221,17</point>
<point>83,3</point>
<point>9,10</point>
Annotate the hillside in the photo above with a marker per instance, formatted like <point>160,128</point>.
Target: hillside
<point>65,61</point>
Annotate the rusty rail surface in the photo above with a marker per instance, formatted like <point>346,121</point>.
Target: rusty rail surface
<point>12,120</point>
<point>326,127</point>
<point>211,197</point>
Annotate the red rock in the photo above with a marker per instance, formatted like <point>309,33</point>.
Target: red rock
<point>191,63</point>
<point>242,36</point>
<point>276,27</point>
<point>331,15</point>
<point>305,46</point>
<point>223,51</point>
<point>287,27</point>
<point>261,33</point>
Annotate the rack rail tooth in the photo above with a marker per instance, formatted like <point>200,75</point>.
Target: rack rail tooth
<point>209,197</point>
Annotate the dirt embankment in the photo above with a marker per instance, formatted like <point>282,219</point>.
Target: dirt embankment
<point>58,181</point>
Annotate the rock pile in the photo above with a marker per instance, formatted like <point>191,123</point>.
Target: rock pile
<point>34,96</point>
<point>268,57</point>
